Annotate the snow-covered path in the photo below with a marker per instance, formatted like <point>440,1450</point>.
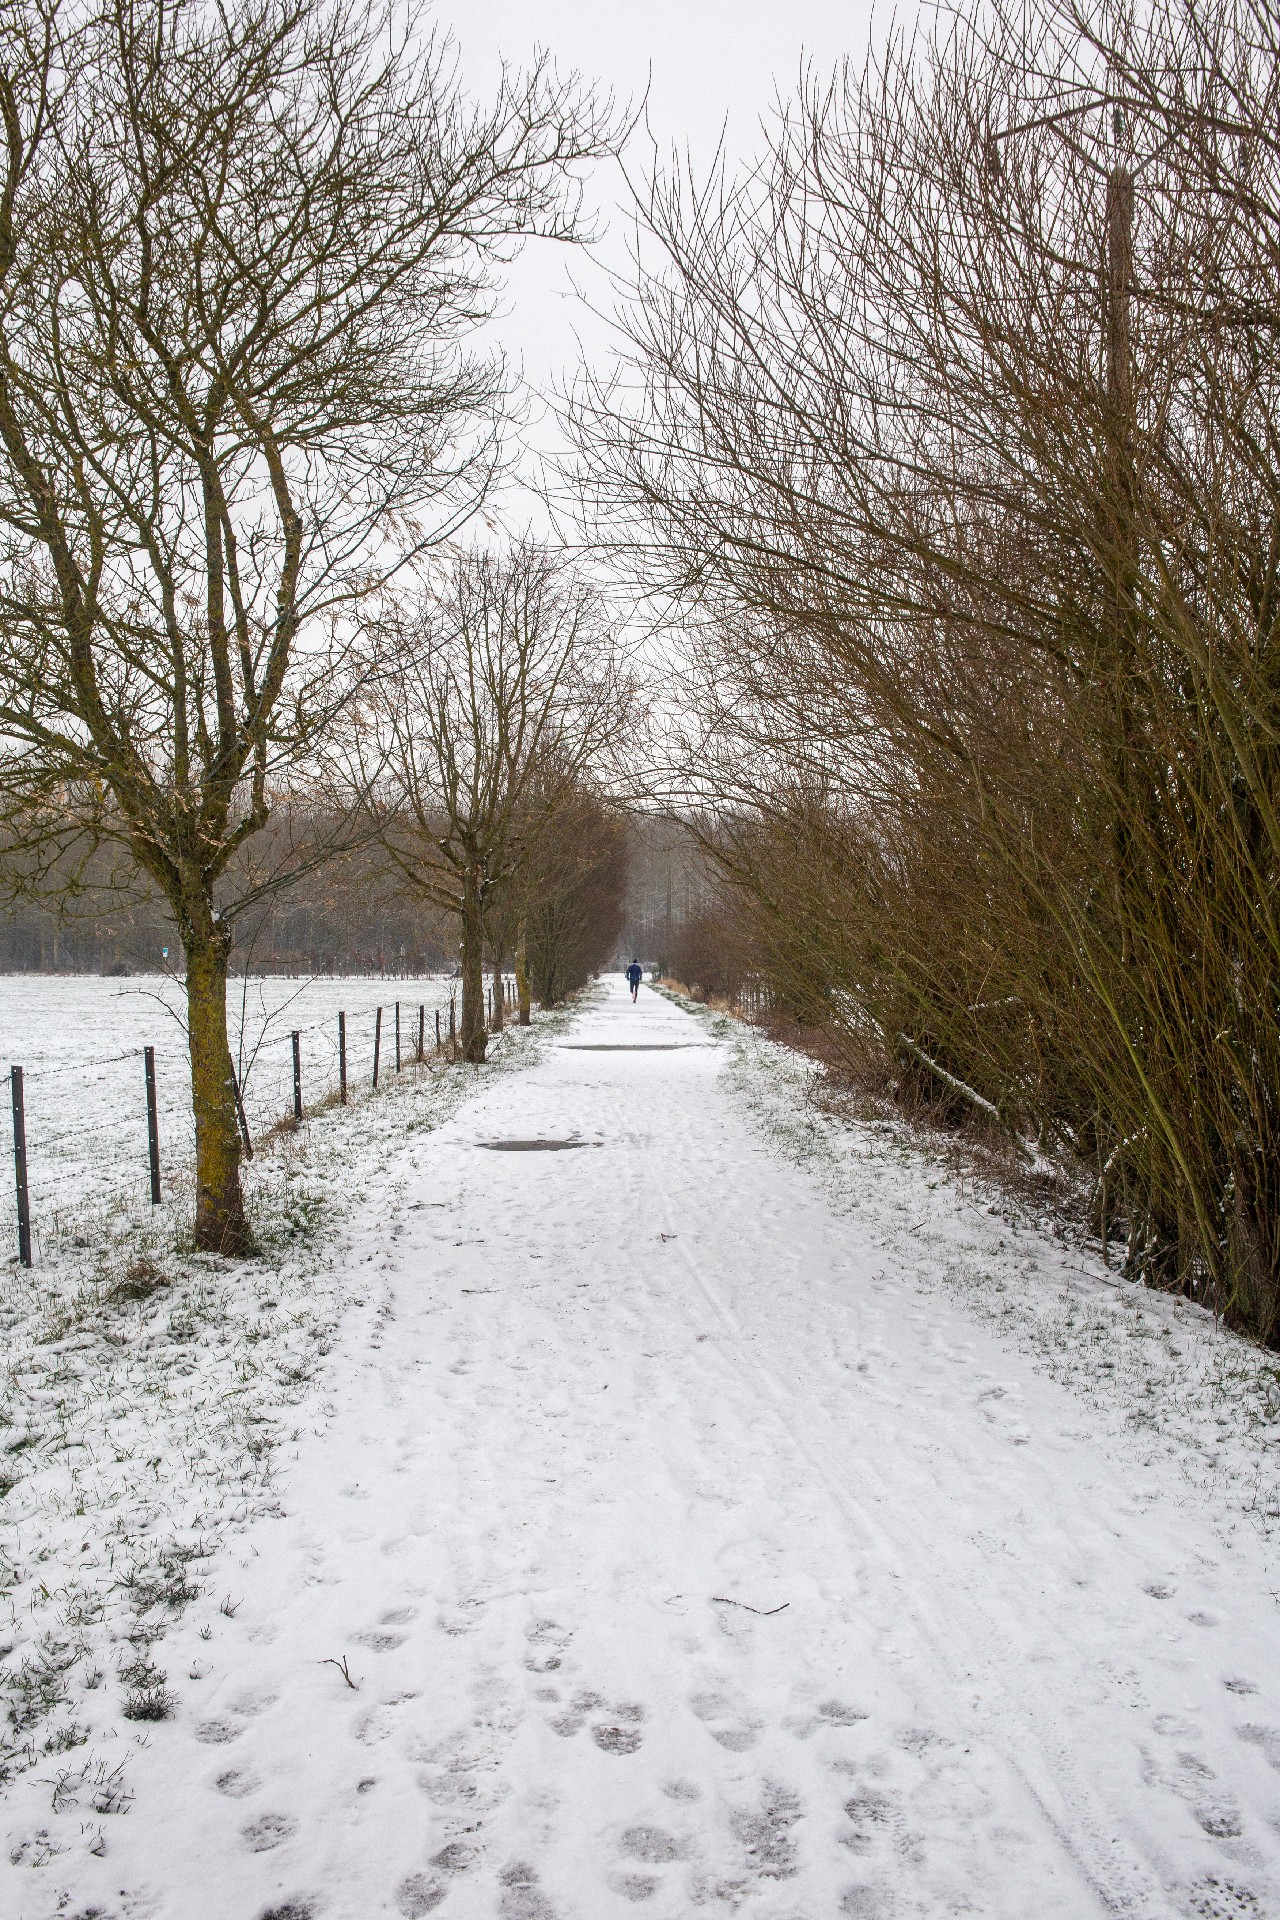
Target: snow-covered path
<point>687,1558</point>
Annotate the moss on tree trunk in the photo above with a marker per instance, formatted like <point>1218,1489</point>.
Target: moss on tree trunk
<point>522,972</point>
<point>474,1038</point>
<point>499,1019</point>
<point>221,1226</point>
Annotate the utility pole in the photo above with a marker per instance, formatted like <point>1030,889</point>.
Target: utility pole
<point>1120,538</point>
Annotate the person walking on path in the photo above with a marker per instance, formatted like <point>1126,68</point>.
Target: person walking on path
<point>635,974</point>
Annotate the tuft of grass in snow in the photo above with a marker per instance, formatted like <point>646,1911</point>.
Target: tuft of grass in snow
<point>146,1697</point>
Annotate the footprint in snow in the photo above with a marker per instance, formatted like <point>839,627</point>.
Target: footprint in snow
<point>254,1700</point>
<point>611,1739</point>
<point>550,1640</point>
<point>876,1825</point>
<point>522,1898</point>
<point>547,1633</point>
<point>635,1886</point>
<point>681,1790</point>
<point>1268,1738</point>
<point>1172,1725</point>
<point>765,1833</point>
<point>463,1619</point>
<point>1190,1778</point>
<point>218,1731</point>
<point>422,1892</point>
<point>236,1784</point>
<point>619,1733</point>
<point>918,1740</point>
<point>574,1718</point>
<point>653,1846</point>
<point>837,1713</point>
<point>1219,1822</point>
<point>222,1727</point>
<point>457,1857</point>
<point>269,1831</point>
<point>864,1903</point>
<point>1214,1898</point>
<point>731,1729</point>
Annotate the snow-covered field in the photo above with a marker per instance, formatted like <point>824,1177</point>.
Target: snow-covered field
<point>728,1513</point>
<point>79,1041</point>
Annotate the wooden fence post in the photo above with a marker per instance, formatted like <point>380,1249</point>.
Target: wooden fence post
<point>437,1029</point>
<point>453,1020</point>
<point>377,1047</point>
<point>296,1037</point>
<point>342,1058</point>
<point>153,1122</point>
<point>20,1166</point>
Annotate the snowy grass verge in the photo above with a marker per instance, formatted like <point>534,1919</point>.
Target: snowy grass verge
<point>1158,1369</point>
<point>144,1391</point>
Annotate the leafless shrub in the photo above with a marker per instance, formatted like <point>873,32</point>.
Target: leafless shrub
<point>951,437</point>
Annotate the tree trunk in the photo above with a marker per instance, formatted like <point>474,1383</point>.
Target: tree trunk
<point>499,1011</point>
<point>522,972</point>
<point>474,1038</point>
<point>221,1226</point>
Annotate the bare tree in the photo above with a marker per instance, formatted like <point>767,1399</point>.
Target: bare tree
<point>494,695</point>
<point>239,249</point>
<point>569,894</point>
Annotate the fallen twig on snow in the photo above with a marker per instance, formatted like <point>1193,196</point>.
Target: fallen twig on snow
<point>719,1600</point>
<point>344,1670</point>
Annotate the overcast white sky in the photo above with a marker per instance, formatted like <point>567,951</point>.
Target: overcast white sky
<point>708,65</point>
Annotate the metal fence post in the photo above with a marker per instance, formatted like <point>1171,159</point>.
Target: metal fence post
<point>397,1036</point>
<point>422,1022</point>
<point>20,1166</point>
<point>377,1045</point>
<point>296,1037</point>
<point>153,1122</point>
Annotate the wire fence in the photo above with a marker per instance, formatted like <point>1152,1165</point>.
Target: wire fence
<point>116,1126</point>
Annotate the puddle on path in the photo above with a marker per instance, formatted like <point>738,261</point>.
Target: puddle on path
<point>535,1146</point>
